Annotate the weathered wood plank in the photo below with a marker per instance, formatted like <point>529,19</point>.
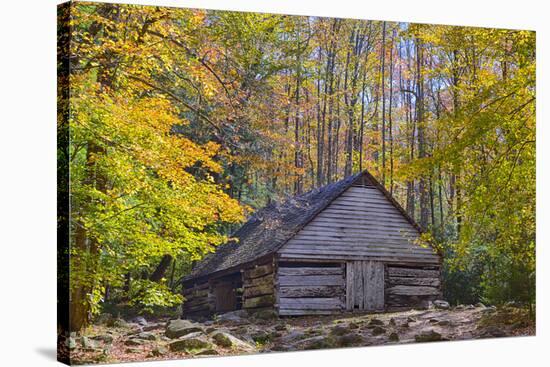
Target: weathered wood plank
<point>395,260</point>
<point>291,312</point>
<point>310,291</point>
<point>360,248</point>
<point>379,285</point>
<point>407,290</point>
<point>310,303</point>
<point>358,284</point>
<point>412,272</point>
<point>350,296</point>
<point>347,229</point>
<point>285,280</point>
<point>258,291</point>
<point>360,218</point>
<point>256,282</point>
<point>336,235</point>
<point>359,243</point>
<point>258,271</point>
<point>330,251</point>
<point>310,271</point>
<point>432,282</point>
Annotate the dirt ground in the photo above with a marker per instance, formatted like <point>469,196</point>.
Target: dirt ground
<point>117,340</point>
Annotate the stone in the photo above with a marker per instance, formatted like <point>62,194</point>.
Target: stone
<point>493,332</point>
<point>71,343</point>
<point>261,337</point>
<point>159,351</point>
<point>120,323</point>
<point>480,305</point>
<point>281,327</point>
<point>394,337</point>
<point>377,330</point>
<point>392,322</point>
<point>134,342</point>
<point>348,340</point>
<point>433,321</point>
<point>405,325</point>
<point>178,328</point>
<point>459,307</point>
<point>292,336</point>
<point>105,338</point>
<point>140,320</point>
<point>442,305</point>
<point>222,339</point>
<point>318,342</point>
<point>190,343</point>
<point>207,352</point>
<point>444,323</point>
<point>133,350</point>
<point>411,319</point>
<point>234,316</point>
<point>339,330</point>
<point>353,325</point>
<point>87,343</point>
<point>151,327</point>
<point>268,314</point>
<point>428,336</point>
<point>375,322</point>
<point>282,348</point>
<point>470,307</point>
<point>146,336</point>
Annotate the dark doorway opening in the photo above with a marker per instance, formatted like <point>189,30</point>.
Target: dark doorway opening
<point>228,293</point>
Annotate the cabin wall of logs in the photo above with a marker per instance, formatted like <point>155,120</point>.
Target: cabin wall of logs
<point>258,287</point>
<point>251,288</point>
<point>199,300</point>
<point>411,287</point>
<point>316,288</point>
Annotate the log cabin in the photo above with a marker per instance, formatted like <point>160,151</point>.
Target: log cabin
<point>347,246</point>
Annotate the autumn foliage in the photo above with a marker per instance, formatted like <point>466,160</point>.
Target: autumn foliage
<point>182,121</point>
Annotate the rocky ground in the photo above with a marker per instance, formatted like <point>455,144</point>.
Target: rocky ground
<point>116,340</point>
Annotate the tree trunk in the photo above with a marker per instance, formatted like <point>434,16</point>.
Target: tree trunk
<point>161,268</point>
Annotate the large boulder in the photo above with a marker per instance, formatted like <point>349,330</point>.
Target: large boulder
<point>191,343</point>
<point>178,328</point>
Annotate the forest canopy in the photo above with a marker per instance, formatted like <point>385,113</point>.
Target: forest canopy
<point>183,122</point>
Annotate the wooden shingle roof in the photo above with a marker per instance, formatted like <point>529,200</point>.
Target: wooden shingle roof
<point>271,227</point>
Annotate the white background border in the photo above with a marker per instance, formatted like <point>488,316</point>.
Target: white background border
<point>28,193</point>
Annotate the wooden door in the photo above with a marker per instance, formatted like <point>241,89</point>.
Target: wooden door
<point>365,285</point>
<point>226,299</point>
